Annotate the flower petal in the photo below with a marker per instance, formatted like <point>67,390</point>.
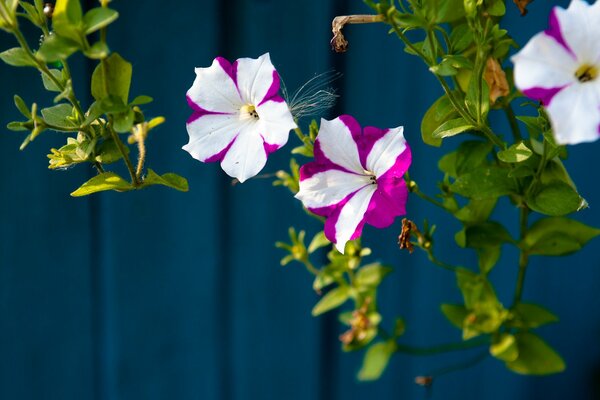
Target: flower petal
<point>579,27</point>
<point>388,202</point>
<point>349,220</point>
<point>214,90</point>
<point>575,113</point>
<point>275,122</point>
<point>329,187</point>
<point>255,77</point>
<point>543,64</point>
<point>246,156</point>
<point>210,134</point>
<point>385,151</point>
<point>335,142</point>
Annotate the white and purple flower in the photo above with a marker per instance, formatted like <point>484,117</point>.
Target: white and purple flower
<point>561,66</point>
<point>239,118</point>
<point>356,178</point>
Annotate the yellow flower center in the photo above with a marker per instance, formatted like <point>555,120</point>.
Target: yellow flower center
<point>586,73</point>
<point>248,110</point>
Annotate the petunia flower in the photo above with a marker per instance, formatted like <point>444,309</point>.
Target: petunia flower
<point>356,178</point>
<point>561,66</point>
<point>239,118</point>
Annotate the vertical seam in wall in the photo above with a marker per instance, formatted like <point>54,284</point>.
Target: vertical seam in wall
<point>329,361</point>
<point>223,268</point>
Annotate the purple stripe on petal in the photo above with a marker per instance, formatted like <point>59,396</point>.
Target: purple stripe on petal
<point>220,155</point>
<point>270,148</point>
<point>367,140</point>
<point>544,95</point>
<point>230,69</point>
<point>555,32</point>
<point>273,89</point>
<point>198,111</point>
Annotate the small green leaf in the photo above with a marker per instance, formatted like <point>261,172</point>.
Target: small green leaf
<point>371,275</point>
<point>536,357</point>
<point>558,236</point>
<point>488,257</point>
<point>333,299</point>
<point>529,315</point>
<point>102,182</point>
<point>515,154</point>
<point>59,116</point>
<point>476,211</point>
<point>108,152</point>
<point>123,122</point>
<point>97,51</point>
<point>496,8</point>
<point>98,18</point>
<point>55,48</point>
<point>21,106</point>
<point>112,77</point>
<point>439,112</point>
<point>505,348</point>
<point>318,241</point>
<point>49,83</point>
<point>452,128</point>
<point>555,198</point>
<point>455,313</point>
<point>376,360</point>
<point>170,179</point>
<point>17,57</point>
<point>66,19</point>
<point>140,100</point>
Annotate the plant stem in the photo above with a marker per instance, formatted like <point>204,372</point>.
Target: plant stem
<point>523,256</point>
<point>443,348</point>
<point>310,267</point>
<point>121,147</point>
<point>512,120</point>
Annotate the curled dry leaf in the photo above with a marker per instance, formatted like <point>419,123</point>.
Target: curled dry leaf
<point>522,4</point>
<point>496,79</point>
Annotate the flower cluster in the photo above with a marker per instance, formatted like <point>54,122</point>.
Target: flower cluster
<point>356,176</point>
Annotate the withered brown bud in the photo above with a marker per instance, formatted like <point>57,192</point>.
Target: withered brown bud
<point>404,239</point>
<point>424,380</point>
<point>339,44</point>
<point>522,4</point>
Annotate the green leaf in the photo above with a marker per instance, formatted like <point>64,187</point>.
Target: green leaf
<point>455,313</point>
<point>486,234</point>
<point>55,48</point>
<point>486,183</point>
<point>471,155</point>
<point>59,116</point>
<point>123,122</point>
<point>98,18</point>
<point>371,275</point>
<point>529,315</point>
<point>140,100</point>
<point>112,77</point>
<point>97,51</point>
<point>333,299</point>
<point>557,236</point>
<point>446,10</point>
<point>505,348</point>
<point>32,13</point>
<point>452,128</point>
<point>108,152</point>
<point>496,8</point>
<point>439,112</point>
<point>102,182</point>
<point>376,360</point>
<point>17,57</point>
<point>16,126</point>
<point>170,179</point>
<point>49,83</point>
<point>555,198</point>
<point>461,38</point>
<point>318,241</point>
<point>21,106</point>
<point>476,289</point>
<point>515,154</point>
<point>476,211</point>
<point>536,357</point>
<point>488,257</point>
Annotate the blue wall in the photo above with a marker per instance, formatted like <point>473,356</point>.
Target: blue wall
<point>163,295</point>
